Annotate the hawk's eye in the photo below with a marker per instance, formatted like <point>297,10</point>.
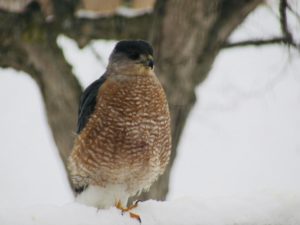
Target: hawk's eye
<point>134,55</point>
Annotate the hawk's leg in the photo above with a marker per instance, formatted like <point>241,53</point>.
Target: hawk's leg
<point>123,209</point>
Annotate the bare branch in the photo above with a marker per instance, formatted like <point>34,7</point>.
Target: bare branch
<point>283,21</point>
<point>83,30</point>
<point>294,12</point>
<point>231,14</point>
<point>12,55</point>
<point>59,87</point>
<point>14,5</point>
<point>97,55</point>
<point>260,42</point>
<point>286,39</point>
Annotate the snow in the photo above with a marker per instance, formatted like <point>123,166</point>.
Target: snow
<point>260,209</point>
<point>28,156</point>
<point>120,11</point>
<point>243,135</point>
<point>238,160</point>
<point>128,12</point>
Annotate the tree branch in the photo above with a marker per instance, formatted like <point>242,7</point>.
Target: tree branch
<point>83,30</point>
<point>44,61</point>
<point>294,12</point>
<point>283,21</point>
<point>286,39</point>
<point>260,42</point>
<point>232,13</point>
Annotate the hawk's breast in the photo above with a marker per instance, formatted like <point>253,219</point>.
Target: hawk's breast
<point>127,138</point>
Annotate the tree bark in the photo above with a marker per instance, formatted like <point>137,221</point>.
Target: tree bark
<point>187,36</point>
<point>185,54</point>
<point>42,59</point>
<point>60,91</point>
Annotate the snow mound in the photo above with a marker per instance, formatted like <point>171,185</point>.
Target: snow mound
<point>255,210</point>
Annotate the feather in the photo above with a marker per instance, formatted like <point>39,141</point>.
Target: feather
<point>88,102</point>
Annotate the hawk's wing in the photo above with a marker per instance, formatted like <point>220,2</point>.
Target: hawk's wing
<point>88,102</point>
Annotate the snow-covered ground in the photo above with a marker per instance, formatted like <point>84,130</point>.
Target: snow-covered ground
<point>259,209</point>
<point>238,160</point>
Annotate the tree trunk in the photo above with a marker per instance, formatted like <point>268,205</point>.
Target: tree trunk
<point>187,36</point>
<point>60,91</point>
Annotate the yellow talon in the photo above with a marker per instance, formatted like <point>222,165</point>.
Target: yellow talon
<point>119,205</point>
<point>123,209</point>
<point>135,216</point>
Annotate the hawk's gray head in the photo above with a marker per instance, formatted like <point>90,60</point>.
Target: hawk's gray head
<point>132,52</point>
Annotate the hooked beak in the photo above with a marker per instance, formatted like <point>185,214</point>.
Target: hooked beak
<point>147,61</point>
<point>150,63</point>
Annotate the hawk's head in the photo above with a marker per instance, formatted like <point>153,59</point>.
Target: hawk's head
<point>136,54</point>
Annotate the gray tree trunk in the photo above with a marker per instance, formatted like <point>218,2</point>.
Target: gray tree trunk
<point>187,36</point>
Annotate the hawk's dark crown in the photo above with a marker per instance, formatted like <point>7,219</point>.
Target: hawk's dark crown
<point>133,49</point>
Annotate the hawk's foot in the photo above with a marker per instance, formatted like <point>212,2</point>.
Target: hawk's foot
<point>135,216</point>
<point>133,206</point>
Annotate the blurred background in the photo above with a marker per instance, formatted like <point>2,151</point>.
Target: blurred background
<point>230,69</point>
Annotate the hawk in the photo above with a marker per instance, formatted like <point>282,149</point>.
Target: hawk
<point>123,140</point>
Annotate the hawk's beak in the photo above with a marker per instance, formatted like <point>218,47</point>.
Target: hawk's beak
<point>147,61</point>
<point>150,63</point>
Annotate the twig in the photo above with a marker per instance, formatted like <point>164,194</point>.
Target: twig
<point>259,42</point>
<point>287,37</point>
<point>283,21</point>
<point>97,55</point>
<point>293,12</point>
